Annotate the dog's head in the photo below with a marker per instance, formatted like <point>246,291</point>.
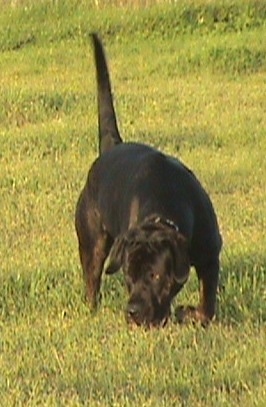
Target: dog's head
<point>154,258</point>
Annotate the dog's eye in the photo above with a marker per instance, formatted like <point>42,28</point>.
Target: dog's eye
<point>155,276</point>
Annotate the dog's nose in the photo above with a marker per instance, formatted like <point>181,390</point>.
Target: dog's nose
<point>133,310</point>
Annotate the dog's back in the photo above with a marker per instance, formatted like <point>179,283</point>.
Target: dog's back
<point>136,174</point>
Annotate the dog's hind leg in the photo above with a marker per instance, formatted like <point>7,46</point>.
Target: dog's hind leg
<point>92,256</point>
<point>94,246</point>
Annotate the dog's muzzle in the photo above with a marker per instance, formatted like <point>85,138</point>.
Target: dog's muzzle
<point>137,313</point>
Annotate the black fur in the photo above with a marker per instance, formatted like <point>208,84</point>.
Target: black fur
<point>150,214</point>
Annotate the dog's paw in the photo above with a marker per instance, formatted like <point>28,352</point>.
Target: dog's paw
<point>191,314</point>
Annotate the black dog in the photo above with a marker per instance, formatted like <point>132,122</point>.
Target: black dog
<point>151,215</point>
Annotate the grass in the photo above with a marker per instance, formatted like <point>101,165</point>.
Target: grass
<point>189,78</point>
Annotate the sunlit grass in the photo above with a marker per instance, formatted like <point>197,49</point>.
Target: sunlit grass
<point>198,94</point>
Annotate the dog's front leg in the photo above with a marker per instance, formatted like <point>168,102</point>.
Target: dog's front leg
<point>208,280</point>
<point>208,276</point>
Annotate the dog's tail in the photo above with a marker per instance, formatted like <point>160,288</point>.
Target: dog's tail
<point>108,130</point>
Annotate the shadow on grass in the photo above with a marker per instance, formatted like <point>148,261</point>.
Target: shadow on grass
<point>241,298</point>
<point>24,293</point>
<point>242,295</point>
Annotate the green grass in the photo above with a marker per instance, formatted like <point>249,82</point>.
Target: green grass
<point>189,78</point>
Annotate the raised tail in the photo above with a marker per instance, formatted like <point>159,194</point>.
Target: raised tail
<point>108,130</point>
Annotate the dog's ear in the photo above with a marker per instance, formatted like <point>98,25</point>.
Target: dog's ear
<point>182,266</point>
<point>116,256</point>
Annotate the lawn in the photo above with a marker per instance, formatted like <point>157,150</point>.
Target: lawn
<point>189,78</point>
